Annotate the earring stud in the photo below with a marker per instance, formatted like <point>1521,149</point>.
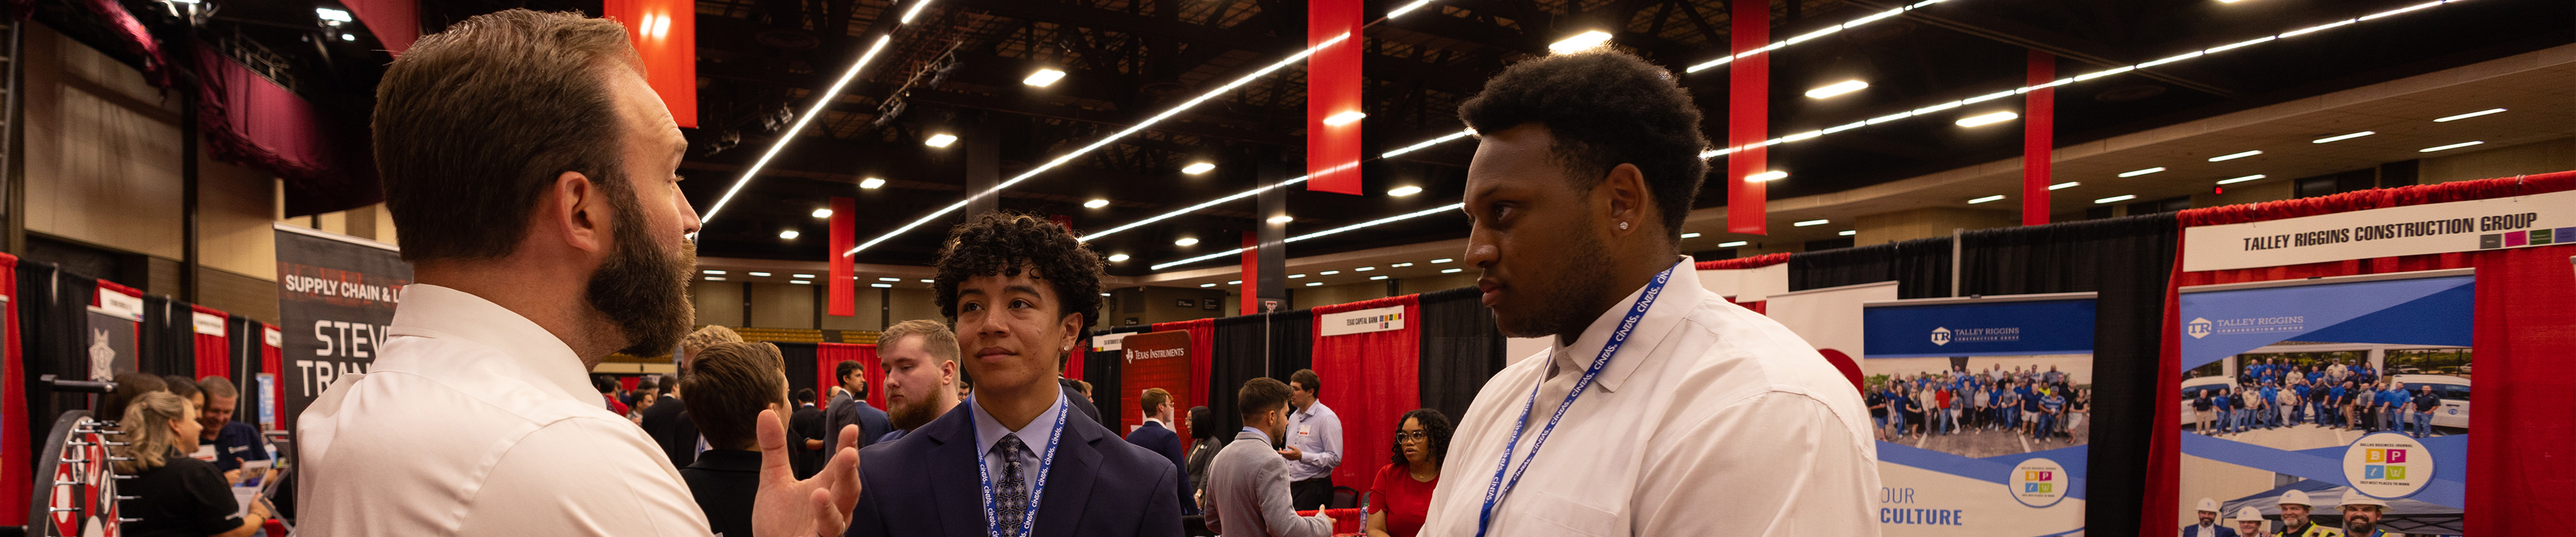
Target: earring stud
<point>1623,226</point>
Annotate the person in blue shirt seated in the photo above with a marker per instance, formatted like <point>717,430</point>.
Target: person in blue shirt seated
<point>234,441</point>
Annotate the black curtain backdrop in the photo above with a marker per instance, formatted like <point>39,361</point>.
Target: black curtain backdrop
<point>1242,345</point>
<point>168,337</point>
<point>800,370</point>
<point>53,314</point>
<point>2126,260</point>
<point>1920,267</point>
<point>1292,343</point>
<point>243,338</point>
<point>1460,349</point>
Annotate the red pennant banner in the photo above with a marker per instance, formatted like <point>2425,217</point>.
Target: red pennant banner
<point>1748,118</point>
<point>666,39</point>
<point>845,234</point>
<point>1333,102</point>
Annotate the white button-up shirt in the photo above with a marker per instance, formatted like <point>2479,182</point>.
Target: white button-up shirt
<point>1316,432</point>
<point>1712,420</point>
<point>476,421</point>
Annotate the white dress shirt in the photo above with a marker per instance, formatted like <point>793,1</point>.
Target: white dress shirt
<point>476,421</point>
<point>1033,441</point>
<point>1316,432</point>
<point>1712,420</point>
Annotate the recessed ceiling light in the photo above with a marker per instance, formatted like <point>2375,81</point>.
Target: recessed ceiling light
<point>2135,173</point>
<point>788,234</point>
<point>1816,222</point>
<point>1196,168</point>
<point>801,282</point>
<point>2452,146</point>
<point>1282,219</point>
<point>805,276</point>
<point>2118,198</point>
<point>1837,88</point>
<point>1580,42</point>
<point>2468,115</point>
<point>882,285</point>
<point>1987,119</point>
<point>1848,232</point>
<point>758,274</point>
<point>2064,185</point>
<point>822,213</point>
<point>348,37</point>
<point>2339,138</point>
<point>1211,284</point>
<point>1186,241</point>
<point>1450,271</point>
<point>1344,118</point>
<point>1441,260</point>
<point>1986,199</point>
<point>2241,179</point>
<point>1104,294</point>
<point>715,278</point>
<point>1236,282</point>
<point>332,15</point>
<point>927,280</point>
<point>1376,278</point>
<point>715,272</point>
<point>1096,203</point>
<point>2234,156</point>
<point>940,140</point>
<point>1403,191</point>
<point>1329,272</point>
<point>1690,235</point>
<point>1043,77</point>
<point>1767,176</point>
<point>1731,244</point>
<point>1365,269</point>
<point>1117,258</point>
<point>889,279</point>
<point>1314,284</point>
<point>1296,276</point>
<point>871,183</point>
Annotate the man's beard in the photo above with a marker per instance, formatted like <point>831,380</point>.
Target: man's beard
<point>2359,527</point>
<point>642,288</point>
<point>916,411</point>
<point>1575,299</point>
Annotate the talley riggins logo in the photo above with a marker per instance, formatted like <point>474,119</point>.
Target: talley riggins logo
<point>1941,336</point>
<point>2388,466</point>
<point>2198,328</point>
<point>2038,482</point>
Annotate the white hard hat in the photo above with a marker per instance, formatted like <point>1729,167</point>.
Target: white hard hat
<point>2208,505</point>
<point>2248,513</point>
<point>2295,497</point>
<point>2357,498</point>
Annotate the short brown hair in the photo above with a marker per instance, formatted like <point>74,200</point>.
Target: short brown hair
<point>1306,378</point>
<point>1259,395</point>
<point>698,341</point>
<point>217,386</point>
<point>473,124</point>
<point>728,385</point>
<point>935,337</point>
<point>1153,400</point>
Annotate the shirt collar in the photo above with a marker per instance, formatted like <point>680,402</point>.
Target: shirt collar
<point>989,431</point>
<point>1681,295</point>
<point>440,312</point>
<point>1265,437</point>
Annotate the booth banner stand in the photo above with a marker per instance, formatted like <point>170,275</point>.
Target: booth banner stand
<point>1823,318</point>
<point>1154,360</point>
<point>335,294</point>
<point>1987,401</point>
<point>115,331</point>
<point>2361,339</point>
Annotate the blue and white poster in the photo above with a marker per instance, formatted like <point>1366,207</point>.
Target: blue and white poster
<point>1981,405</point>
<point>2334,402</point>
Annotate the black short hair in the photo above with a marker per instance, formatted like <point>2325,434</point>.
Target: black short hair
<point>1434,424</point>
<point>602,383</point>
<point>803,395</point>
<point>1306,378</point>
<point>1603,108</point>
<point>1202,422</point>
<point>842,371</point>
<point>1004,244</point>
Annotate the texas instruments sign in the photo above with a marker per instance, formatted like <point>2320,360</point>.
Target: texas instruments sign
<point>1156,360</point>
<point>335,294</point>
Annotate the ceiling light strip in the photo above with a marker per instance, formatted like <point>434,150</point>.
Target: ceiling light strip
<point>1829,30</point>
<point>1372,223</point>
<point>801,120</point>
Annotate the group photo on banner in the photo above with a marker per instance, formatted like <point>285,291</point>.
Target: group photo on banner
<point>1983,403</point>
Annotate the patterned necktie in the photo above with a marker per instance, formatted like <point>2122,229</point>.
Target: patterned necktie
<point>1014,493</point>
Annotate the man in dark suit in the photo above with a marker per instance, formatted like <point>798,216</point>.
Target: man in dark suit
<point>1020,290</point>
<point>1081,402</point>
<point>1153,435</point>
<point>667,421</point>
<point>850,406</point>
<point>805,435</point>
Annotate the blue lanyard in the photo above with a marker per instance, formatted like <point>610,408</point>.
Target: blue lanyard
<point>1498,488</point>
<point>1037,490</point>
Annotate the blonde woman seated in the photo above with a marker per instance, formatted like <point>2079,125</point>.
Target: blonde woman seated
<point>174,495</point>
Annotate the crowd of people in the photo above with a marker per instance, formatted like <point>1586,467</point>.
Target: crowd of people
<point>2361,517</point>
<point>181,454</point>
<point>2270,393</point>
<point>2043,405</point>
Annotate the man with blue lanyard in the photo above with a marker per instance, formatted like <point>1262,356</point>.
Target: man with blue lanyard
<point>1660,409</point>
<point>1016,455</point>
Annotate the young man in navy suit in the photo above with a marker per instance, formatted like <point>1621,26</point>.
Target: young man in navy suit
<point>1157,434</point>
<point>1016,459</point>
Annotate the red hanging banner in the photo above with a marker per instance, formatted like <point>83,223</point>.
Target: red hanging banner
<point>1250,290</point>
<point>2038,138</point>
<point>666,38</point>
<point>1333,102</point>
<point>845,234</point>
<point>1748,118</point>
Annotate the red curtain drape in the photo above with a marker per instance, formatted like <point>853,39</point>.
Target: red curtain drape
<point>272,360</point>
<point>629,383</point>
<point>1202,344</point>
<point>2525,322</point>
<point>1073,362</point>
<point>1370,380</point>
<point>396,23</point>
<point>214,353</point>
<point>14,477</point>
<point>827,360</point>
<point>1740,263</point>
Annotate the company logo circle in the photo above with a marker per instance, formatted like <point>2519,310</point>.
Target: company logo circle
<point>2387,466</point>
<point>2038,482</point>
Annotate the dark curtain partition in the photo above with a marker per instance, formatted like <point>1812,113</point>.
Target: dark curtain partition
<point>1460,349</point>
<point>1253,346</point>
<point>800,368</point>
<point>2126,260</point>
<point>1292,343</point>
<point>168,337</point>
<point>53,315</point>
<point>1921,267</point>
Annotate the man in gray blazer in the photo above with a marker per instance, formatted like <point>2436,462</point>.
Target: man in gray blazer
<point>1247,490</point>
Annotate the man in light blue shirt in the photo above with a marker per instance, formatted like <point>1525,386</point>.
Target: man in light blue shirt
<point>1314,443</point>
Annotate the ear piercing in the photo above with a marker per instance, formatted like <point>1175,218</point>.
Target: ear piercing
<point>1623,226</point>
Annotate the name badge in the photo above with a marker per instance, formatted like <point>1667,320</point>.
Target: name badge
<point>1303,430</point>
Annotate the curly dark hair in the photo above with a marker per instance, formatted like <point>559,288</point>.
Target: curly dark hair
<point>1603,108</point>
<point>1003,244</point>
<point>1435,424</point>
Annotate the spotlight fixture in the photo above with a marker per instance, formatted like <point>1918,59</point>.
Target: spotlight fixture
<point>822,213</point>
<point>1043,77</point>
<point>1344,118</point>
<point>1196,168</point>
<point>2468,115</point>
<point>1403,191</point>
<point>871,183</point>
<point>1837,88</point>
<point>1986,199</point>
<point>1117,258</point>
<point>1580,42</point>
<point>940,140</point>
<point>2241,179</point>
<point>2448,147</point>
<point>1732,244</point>
<point>788,234</point>
<point>2234,156</point>
<point>1186,241</point>
<point>1816,222</point>
<point>2064,185</point>
<point>1987,119</point>
<point>2116,199</point>
<point>2333,139</point>
<point>2135,173</point>
<point>1095,203</point>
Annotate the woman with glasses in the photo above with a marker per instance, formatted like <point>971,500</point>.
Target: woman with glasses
<point>1402,493</point>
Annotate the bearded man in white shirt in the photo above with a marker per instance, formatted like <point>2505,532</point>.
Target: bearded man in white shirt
<point>531,173</point>
<point>1704,418</point>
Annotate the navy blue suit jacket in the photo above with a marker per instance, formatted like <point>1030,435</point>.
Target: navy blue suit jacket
<point>1153,436</point>
<point>926,485</point>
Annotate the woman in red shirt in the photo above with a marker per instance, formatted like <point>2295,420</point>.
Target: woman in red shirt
<point>1402,493</point>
